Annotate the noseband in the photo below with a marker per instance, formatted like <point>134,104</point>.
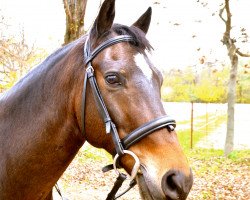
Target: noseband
<point>121,145</point>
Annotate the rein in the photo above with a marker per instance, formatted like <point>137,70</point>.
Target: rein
<point>121,145</point>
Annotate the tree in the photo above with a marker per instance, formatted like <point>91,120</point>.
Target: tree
<point>16,56</point>
<point>75,12</point>
<point>233,53</point>
<point>208,85</point>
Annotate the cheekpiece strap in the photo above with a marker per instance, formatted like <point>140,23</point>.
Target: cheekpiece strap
<point>89,75</point>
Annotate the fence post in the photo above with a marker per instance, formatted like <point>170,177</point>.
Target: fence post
<point>192,118</point>
<point>206,119</point>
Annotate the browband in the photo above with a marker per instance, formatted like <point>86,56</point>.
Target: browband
<point>89,56</point>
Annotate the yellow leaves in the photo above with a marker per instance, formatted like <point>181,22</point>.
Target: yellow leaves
<point>18,60</point>
<point>204,85</point>
<point>9,80</point>
<point>209,92</point>
<point>17,57</point>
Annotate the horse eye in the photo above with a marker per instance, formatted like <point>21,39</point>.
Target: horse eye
<point>112,79</point>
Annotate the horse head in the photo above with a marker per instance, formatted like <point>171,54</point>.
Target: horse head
<point>129,84</point>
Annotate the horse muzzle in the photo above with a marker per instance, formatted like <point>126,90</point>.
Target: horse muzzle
<point>174,185</point>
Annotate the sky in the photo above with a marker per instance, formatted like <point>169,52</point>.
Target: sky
<point>181,31</point>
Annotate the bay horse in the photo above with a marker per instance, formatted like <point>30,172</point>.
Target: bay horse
<point>103,89</point>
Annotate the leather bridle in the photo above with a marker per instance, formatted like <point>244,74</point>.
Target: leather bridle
<point>121,145</point>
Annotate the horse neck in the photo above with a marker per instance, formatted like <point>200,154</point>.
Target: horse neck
<point>39,123</point>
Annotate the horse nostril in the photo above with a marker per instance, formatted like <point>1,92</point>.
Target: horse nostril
<point>176,185</point>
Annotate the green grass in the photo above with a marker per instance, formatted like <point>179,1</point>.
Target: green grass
<point>215,156</point>
<point>185,137</point>
<point>238,156</point>
<point>89,152</point>
<point>212,161</point>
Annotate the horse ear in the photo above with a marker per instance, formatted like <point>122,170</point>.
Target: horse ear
<point>104,19</point>
<point>144,21</point>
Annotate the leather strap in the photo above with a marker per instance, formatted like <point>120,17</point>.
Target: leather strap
<point>84,102</point>
<point>59,192</point>
<point>118,183</point>
<point>110,126</point>
<point>89,75</point>
<point>131,185</point>
<point>89,56</point>
<point>148,128</point>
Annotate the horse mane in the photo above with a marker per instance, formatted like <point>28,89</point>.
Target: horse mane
<point>140,41</point>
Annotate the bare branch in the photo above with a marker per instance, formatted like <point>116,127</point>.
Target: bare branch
<point>242,54</point>
<point>220,14</point>
<point>10,53</point>
<point>229,15</point>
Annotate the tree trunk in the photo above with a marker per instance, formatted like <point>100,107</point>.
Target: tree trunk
<point>233,53</point>
<point>231,96</point>
<point>229,42</point>
<point>75,12</point>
